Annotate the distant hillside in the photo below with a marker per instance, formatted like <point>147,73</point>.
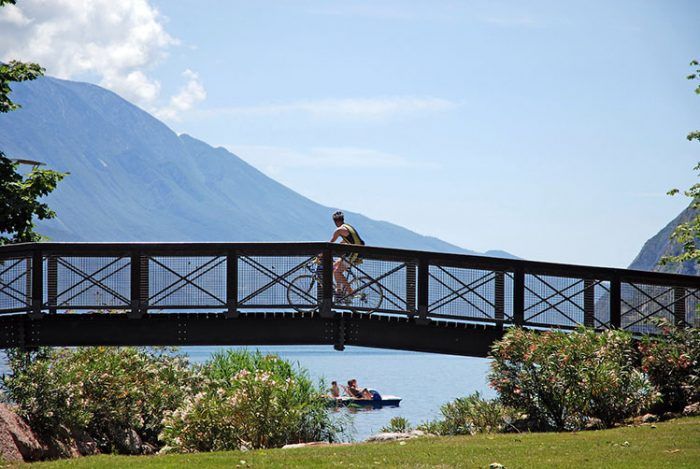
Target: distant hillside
<point>133,179</point>
<point>660,245</point>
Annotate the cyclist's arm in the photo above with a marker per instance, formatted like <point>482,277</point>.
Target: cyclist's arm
<point>338,233</point>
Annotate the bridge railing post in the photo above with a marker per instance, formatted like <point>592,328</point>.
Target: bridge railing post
<point>519,296</point>
<point>326,306</point>
<point>615,302</point>
<point>37,283</point>
<point>423,285</point>
<point>679,306</point>
<point>232,284</point>
<point>139,285</point>
<point>499,302</point>
<point>52,283</point>
<point>411,287</point>
<point>589,303</point>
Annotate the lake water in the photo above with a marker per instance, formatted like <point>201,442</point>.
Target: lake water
<point>424,381</point>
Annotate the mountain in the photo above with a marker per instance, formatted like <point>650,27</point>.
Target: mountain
<point>660,245</point>
<point>133,179</point>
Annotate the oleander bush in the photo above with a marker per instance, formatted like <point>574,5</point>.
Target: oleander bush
<point>470,415</point>
<point>249,400</point>
<point>117,396</point>
<point>563,380</point>
<point>672,362</point>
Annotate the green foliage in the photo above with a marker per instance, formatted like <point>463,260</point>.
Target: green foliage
<point>19,200</point>
<point>672,362</point>
<point>249,400</point>
<point>561,380</point>
<point>15,71</point>
<point>397,425</point>
<point>470,415</point>
<point>104,391</point>
<point>687,234</point>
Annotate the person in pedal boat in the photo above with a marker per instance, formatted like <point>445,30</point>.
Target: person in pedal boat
<point>348,235</point>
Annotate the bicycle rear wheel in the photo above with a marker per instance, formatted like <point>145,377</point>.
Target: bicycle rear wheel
<point>301,294</point>
<point>368,295</point>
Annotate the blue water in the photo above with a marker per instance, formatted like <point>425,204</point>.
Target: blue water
<point>424,381</point>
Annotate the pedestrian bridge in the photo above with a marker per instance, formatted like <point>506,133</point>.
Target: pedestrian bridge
<point>79,294</point>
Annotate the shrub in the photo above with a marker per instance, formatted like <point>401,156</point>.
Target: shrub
<point>248,400</point>
<point>470,415</point>
<point>672,362</point>
<point>562,380</point>
<point>109,393</point>
<point>397,425</point>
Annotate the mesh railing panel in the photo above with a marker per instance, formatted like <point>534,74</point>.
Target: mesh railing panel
<point>468,293</point>
<point>555,301</point>
<point>277,282</point>
<point>15,283</point>
<point>195,281</point>
<point>376,285</point>
<point>89,282</point>
<point>642,305</point>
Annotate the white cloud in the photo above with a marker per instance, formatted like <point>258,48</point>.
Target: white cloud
<point>274,159</point>
<point>348,108</point>
<point>117,41</point>
<point>189,95</point>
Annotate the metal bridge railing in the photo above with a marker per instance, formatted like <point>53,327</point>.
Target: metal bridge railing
<point>148,278</point>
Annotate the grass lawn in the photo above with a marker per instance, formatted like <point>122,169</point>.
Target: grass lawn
<point>671,444</point>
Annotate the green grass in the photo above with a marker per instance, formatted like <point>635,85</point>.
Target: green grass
<point>671,444</point>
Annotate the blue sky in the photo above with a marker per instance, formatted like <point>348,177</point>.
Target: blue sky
<point>549,129</point>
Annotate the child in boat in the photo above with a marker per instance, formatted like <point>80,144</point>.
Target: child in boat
<point>335,391</point>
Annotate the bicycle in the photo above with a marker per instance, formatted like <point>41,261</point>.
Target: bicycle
<point>367,294</point>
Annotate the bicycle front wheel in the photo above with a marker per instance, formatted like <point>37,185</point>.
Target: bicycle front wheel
<point>301,294</point>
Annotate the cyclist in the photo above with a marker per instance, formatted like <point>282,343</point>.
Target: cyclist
<point>348,235</point>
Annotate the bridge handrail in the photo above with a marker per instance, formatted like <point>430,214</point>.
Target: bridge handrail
<point>410,282</point>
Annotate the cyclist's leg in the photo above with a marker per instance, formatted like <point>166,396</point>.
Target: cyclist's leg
<point>342,284</point>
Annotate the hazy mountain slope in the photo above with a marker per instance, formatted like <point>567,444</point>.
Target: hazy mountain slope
<point>133,179</point>
<point>660,245</point>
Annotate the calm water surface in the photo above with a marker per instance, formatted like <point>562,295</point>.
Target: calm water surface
<point>424,381</point>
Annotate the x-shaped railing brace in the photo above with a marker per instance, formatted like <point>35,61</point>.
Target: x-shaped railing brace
<point>8,285</point>
<point>274,276</point>
<point>186,279</point>
<point>465,288</point>
<point>556,293</point>
<point>649,300</point>
<point>91,278</point>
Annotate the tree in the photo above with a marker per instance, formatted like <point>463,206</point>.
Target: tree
<point>20,194</point>
<point>687,234</point>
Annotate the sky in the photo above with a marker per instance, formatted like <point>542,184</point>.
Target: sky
<point>548,129</point>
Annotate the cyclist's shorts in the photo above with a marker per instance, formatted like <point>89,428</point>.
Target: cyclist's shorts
<point>353,259</point>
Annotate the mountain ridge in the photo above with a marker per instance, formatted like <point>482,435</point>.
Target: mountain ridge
<point>133,179</point>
